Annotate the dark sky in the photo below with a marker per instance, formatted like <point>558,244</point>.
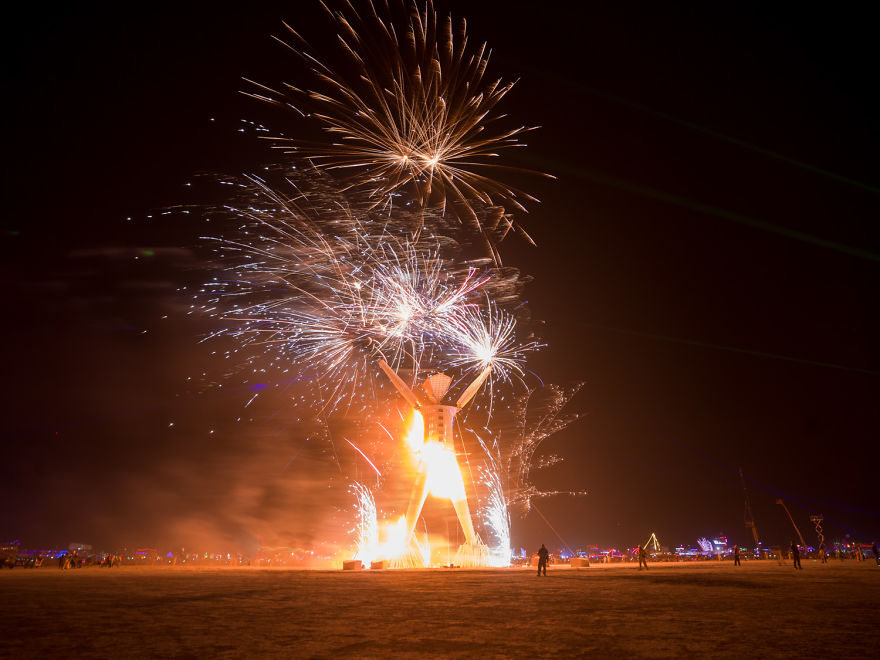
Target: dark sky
<point>706,261</point>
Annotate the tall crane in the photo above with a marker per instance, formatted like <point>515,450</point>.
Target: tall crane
<point>800,536</point>
<point>748,517</point>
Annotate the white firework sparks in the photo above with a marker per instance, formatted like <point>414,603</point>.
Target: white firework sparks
<point>312,285</point>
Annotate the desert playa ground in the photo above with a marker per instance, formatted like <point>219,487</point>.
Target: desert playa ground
<point>759,610</point>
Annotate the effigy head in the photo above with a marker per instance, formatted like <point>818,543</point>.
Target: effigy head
<point>436,387</point>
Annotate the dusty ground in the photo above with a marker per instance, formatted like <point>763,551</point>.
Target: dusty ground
<point>759,610</point>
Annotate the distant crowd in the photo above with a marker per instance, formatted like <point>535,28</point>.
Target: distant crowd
<point>855,552</point>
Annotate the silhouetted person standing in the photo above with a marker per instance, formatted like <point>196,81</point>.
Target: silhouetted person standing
<point>736,556</point>
<point>543,558</point>
<point>876,553</point>
<point>643,558</point>
<point>796,556</point>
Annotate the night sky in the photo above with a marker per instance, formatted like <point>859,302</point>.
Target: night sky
<point>706,262</point>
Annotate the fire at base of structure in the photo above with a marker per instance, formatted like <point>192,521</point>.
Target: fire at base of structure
<point>438,473</point>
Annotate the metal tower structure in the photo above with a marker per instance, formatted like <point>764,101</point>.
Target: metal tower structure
<point>817,520</point>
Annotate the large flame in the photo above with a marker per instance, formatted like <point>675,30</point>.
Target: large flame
<point>443,478</point>
<point>435,459</point>
<point>415,433</point>
<point>444,475</point>
<point>376,540</point>
<point>395,541</point>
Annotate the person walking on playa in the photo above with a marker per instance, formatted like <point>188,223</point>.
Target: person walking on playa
<point>643,558</point>
<point>822,554</point>
<point>876,553</point>
<point>736,556</point>
<point>796,556</point>
<point>543,558</point>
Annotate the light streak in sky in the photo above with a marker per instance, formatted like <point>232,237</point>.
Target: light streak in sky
<point>366,458</point>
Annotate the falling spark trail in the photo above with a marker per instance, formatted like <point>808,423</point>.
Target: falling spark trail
<point>293,458</point>
<point>366,458</point>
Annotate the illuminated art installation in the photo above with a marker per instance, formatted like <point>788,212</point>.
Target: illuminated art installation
<point>382,243</point>
<point>439,472</point>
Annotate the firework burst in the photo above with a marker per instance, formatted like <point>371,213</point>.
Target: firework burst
<point>537,414</point>
<point>307,282</point>
<point>360,255</point>
<point>409,110</point>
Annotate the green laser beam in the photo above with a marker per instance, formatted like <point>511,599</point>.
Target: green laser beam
<point>725,138</point>
<point>677,200</point>
<point>729,349</point>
